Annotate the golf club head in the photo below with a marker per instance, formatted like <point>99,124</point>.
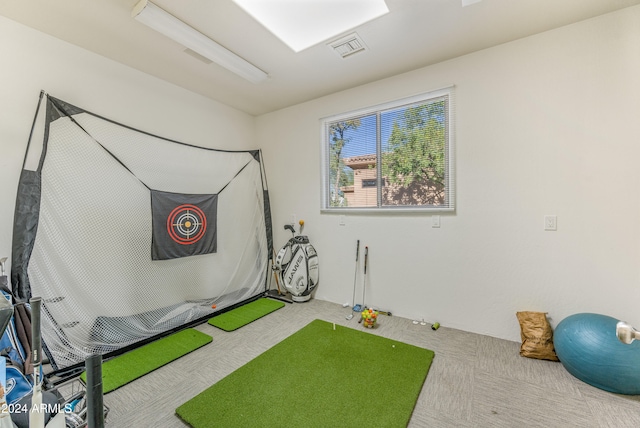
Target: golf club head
<point>626,334</point>
<point>73,420</point>
<point>290,227</point>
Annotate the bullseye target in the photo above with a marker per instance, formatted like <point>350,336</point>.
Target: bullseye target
<point>183,225</point>
<point>186,224</point>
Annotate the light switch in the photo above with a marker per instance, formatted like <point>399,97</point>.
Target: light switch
<point>550,222</point>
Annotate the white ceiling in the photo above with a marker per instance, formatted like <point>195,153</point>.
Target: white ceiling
<point>415,33</point>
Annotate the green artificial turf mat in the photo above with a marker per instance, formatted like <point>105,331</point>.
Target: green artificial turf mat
<point>317,377</point>
<point>245,314</point>
<point>134,364</point>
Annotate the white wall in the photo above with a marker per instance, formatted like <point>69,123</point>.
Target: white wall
<point>32,61</point>
<point>545,125</point>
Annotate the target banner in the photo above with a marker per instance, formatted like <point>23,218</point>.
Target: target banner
<point>183,225</point>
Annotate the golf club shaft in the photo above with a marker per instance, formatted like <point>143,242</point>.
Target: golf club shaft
<point>36,414</point>
<point>275,273</point>
<point>364,282</point>
<point>355,278</point>
<point>355,275</point>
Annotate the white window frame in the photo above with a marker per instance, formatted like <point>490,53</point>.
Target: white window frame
<point>450,154</point>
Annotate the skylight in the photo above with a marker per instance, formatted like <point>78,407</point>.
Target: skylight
<point>301,24</point>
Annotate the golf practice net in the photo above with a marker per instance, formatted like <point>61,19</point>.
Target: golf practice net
<point>126,235</point>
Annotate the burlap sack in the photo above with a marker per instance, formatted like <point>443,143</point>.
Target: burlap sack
<point>537,336</point>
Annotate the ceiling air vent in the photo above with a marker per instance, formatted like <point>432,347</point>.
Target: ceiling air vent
<point>348,45</point>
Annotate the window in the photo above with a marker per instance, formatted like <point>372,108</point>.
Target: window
<point>393,156</point>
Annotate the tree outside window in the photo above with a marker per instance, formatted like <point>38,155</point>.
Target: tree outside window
<point>398,156</point>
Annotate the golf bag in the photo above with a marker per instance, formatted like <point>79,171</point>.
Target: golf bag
<point>297,266</point>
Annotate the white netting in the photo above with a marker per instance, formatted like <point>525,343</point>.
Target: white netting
<point>91,262</point>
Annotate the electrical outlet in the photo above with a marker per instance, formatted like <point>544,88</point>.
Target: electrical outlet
<point>343,220</point>
<point>550,222</point>
<point>435,221</point>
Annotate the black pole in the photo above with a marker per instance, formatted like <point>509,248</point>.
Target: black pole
<point>95,407</point>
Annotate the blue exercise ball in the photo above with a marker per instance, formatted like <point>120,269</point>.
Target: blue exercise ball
<point>588,347</point>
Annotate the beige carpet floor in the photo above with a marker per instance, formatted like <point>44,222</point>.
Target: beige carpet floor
<point>474,381</point>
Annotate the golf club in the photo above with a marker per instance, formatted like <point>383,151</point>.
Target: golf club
<point>36,414</point>
<point>355,276</point>
<point>364,282</point>
<point>275,271</point>
<point>290,227</point>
